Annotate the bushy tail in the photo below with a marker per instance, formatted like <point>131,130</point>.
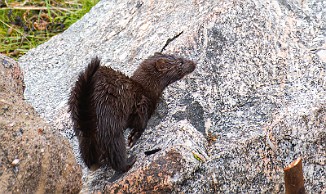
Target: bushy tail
<point>80,102</point>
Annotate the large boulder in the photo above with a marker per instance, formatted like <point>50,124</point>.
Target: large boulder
<point>33,158</point>
<point>255,102</point>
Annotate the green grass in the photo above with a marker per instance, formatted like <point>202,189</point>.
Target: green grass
<point>25,24</point>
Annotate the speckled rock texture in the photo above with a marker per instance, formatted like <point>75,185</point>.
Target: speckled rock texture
<point>256,101</point>
<point>33,157</point>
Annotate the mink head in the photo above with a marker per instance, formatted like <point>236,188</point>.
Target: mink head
<point>160,70</point>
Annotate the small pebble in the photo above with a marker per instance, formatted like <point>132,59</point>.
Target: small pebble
<point>15,162</point>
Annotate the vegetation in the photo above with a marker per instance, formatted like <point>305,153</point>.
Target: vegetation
<point>24,24</point>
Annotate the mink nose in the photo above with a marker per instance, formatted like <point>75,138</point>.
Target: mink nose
<point>191,66</point>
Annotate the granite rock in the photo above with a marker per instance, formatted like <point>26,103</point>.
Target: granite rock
<point>33,157</point>
<point>256,100</point>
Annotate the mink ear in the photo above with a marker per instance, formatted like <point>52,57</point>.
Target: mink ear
<point>158,54</point>
<point>160,65</point>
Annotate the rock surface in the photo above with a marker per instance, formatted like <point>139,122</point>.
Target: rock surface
<point>33,158</point>
<point>256,101</point>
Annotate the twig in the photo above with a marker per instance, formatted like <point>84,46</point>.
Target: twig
<point>170,40</point>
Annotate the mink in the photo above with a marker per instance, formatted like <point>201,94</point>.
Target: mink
<point>104,102</point>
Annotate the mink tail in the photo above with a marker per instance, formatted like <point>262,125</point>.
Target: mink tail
<point>83,115</point>
<point>80,102</point>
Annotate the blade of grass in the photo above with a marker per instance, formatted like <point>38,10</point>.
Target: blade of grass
<point>48,5</point>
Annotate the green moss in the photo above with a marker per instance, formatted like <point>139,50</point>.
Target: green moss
<point>25,25</point>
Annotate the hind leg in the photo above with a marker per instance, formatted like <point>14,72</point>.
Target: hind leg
<point>110,127</point>
<point>118,174</point>
<point>118,155</point>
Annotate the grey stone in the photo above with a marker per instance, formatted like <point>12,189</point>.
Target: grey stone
<point>259,87</point>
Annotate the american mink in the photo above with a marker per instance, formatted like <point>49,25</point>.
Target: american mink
<point>104,102</point>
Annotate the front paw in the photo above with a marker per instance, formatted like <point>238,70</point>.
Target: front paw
<point>132,139</point>
<point>131,160</point>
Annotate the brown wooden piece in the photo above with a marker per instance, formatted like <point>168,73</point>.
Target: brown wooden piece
<point>293,177</point>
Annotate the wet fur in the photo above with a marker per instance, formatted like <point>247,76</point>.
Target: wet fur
<point>104,102</point>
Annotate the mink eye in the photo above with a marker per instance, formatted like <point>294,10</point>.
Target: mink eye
<point>179,63</point>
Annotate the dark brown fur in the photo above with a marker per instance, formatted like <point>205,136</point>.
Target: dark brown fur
<point>104,102</point>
